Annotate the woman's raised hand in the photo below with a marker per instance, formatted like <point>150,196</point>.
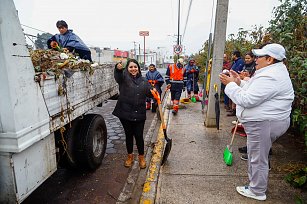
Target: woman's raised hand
<point>119,66</point>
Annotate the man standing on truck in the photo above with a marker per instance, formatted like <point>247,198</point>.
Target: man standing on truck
<point>67,39</point>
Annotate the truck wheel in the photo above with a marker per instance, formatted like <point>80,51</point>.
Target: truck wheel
<point>93,138</point>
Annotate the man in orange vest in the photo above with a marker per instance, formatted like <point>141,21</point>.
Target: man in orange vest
<point>175,79</point>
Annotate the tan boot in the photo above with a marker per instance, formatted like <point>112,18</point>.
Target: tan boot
<point>129,161</point>
<point>142,162</point>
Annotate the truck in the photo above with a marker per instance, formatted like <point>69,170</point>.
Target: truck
<point>46,122</point>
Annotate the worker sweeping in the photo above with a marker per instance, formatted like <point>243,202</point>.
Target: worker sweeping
<point>176,80</point>
<point>192,79</point>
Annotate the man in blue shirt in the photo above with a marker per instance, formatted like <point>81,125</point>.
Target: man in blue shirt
<point>67,39</point>
<point>237,66</point>
<point>238,62</point>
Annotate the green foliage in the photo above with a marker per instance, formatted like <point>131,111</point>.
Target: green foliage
<point>298,178</point>
<point>244,41</point>
<point>289,28</point>
<point>41,41</point>
<point>201,60</point>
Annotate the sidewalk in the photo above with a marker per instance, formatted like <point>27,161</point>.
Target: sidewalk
<point>196,173</point>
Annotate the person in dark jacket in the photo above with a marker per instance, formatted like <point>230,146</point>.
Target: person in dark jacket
<point>237,66</point>
<point>249,65</point>
<point>67,39</point>
<point>130,107</point>
<point>192,79</point>
<point>156,80</point>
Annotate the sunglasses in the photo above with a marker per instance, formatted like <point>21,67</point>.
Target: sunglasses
<point>266,56</point>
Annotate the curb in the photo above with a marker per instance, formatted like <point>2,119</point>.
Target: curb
<point>125,195</point>
<point>151,182</point>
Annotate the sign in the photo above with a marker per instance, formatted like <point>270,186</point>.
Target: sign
<point>177,49</point>
<point>119,53</point>
<point>144,33</point>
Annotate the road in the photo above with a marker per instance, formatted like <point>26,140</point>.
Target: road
<point>102,186</point>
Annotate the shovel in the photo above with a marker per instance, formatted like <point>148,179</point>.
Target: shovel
<point>228,150</point>
<point>168,145</point>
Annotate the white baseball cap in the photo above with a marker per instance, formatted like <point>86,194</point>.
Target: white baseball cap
<point>274,50</point>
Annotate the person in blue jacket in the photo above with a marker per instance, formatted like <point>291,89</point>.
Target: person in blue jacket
<point>238,62</point>
<point>192,79</point>
<point>237,66</point>
<point>67,39</point>
<point>156,80</point>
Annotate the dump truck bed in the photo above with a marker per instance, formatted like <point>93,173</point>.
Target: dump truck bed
<point>73,94</point>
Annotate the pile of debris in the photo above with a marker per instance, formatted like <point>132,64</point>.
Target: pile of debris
<point>51,60</point>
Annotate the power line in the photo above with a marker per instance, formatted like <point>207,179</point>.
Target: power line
<point>26,34</point>
<point>186,22</point>
<point>34,28</point>
<point>212,15</point>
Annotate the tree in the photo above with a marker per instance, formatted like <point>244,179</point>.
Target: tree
<point>289,28</point>
<point>41,41</point>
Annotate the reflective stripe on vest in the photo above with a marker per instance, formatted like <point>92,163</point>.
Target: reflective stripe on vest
<point>176,74</point>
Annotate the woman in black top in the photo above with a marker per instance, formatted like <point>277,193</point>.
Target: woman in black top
<point>249,64</point>
<point>130,107</point>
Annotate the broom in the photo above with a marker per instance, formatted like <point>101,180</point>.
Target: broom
<point>228,150</point>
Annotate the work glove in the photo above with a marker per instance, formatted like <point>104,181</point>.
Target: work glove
<point>55,45</point>
<point>156,95</point>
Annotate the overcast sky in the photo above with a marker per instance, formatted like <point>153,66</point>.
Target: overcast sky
<point>116,23</point>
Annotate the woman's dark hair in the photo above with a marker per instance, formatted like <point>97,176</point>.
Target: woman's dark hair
<point>61,23</point>
<point>136,62</point>
<point>250,54</point>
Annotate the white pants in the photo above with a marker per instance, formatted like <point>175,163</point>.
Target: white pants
<point>260,136</point>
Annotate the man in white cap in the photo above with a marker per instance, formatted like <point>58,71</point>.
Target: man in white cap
<point>175,79</point>
<point>263,107</point>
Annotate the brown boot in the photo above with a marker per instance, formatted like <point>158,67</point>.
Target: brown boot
<point>142,162</point>
<point>129,161</point>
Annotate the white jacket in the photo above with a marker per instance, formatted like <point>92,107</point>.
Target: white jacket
<point>268,95</point>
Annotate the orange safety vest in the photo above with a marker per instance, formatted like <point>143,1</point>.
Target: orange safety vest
<point>176,74</point>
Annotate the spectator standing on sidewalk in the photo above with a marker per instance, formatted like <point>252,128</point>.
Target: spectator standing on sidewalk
<point>249,64</point>
<point>130,107</point>
<point>226,66</point>
<point>175,79</point>
<point>236,66</point>
<point>263,106</point>
<point>156,80</point>
<point>192,79</point>
<point>67,39</point>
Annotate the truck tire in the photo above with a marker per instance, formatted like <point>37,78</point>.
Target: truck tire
<point>93,141</point>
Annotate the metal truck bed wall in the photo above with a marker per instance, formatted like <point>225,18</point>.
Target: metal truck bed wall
<point>84,91</point>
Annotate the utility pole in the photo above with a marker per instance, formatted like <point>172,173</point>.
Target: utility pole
<point>134,50</point>
<point>139,51</point>
<point>144,34</point>
<point>144,52</point>
<point>217,61</point>
<point>178,33</point>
